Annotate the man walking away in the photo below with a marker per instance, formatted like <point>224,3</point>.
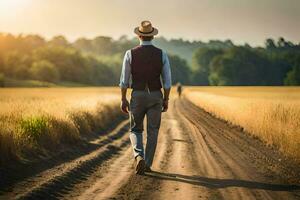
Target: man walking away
<point>179,89</point>
<point>146,70</point>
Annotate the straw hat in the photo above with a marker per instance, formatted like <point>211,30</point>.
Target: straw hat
<point>145,29</point>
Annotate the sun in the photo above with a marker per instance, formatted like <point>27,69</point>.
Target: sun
<point>12,3</point>
<point>9,8</point>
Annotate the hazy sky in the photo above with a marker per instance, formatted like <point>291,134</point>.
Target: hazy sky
<point>240,20</point>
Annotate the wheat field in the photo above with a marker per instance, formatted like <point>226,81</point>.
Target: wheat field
<point>270,113</point>
<point>43,118</point>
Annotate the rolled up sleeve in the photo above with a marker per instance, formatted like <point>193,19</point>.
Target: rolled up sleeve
<point>166,72</point>
<point>126,71</point>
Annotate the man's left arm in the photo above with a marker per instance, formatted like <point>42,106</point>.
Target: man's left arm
<point>167,81</point>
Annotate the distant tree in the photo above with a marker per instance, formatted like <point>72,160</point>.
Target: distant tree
<point>103,45</point>
<point>240,66</point>
<point>293,76</point>
<point>69,62</point>
<point>34,41</point>
<point>124,43</point>
<point>2,80</point>
<point>59,41</point>
<point>84,45</point>
<point>282,43</point>
<point>44,70</point>
<point>16,65</point>
<point>201,62</point>
<point>179,47</point>
<point>228,43</point>
<point>22,44</point>
<point>217,44</point>
<point>100,73</point>
<point>8,43</point>
<point>270,44</point>
<point>246,45</point>
<point>1,62</point>
<point>180,70</point>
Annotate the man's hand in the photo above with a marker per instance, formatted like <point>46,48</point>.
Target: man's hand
<point>166,99</point>
<point>165,105</point>
<point>124,106</point>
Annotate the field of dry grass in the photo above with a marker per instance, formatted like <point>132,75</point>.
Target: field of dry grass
<point>44,118</point>
<point>270,113</point>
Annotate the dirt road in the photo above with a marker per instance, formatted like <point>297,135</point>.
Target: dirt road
<point>198,157</point>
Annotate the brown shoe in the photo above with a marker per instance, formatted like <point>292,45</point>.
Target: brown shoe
<point>148,169</point>
<point>140,165</point>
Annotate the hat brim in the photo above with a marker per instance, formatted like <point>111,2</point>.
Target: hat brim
<point>154,32</point>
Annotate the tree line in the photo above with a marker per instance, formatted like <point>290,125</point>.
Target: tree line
<point>98,61</point>
<point>31,57</point>
<point>278,63</point>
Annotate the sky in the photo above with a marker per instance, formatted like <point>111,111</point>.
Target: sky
<point>242,21</point>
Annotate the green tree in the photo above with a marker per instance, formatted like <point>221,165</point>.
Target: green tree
<point>16,65</point>
<point>201,62</point>
<point>31,42</point>
<point>293,76</point>
<point>100,73</point>
<point>44,70</point>
<point>70,63</point>
<point>84,45</point>
<point>59,41</point>
<point>240,66</point>
<point>180,70</point>
<point>2,80</point>
<point>270,44</point>
<point>1,62</point>
<point>104,45</point>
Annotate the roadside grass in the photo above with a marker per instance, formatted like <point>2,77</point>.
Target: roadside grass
<point>7,82</point>
<point>38,120</point>
<point>270,113</point>
<point>13,83</point>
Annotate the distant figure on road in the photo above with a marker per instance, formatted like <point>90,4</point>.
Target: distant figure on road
<point>179,89</point>
<point>144,65</point>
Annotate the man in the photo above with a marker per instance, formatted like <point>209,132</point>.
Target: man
<point>179,89</point>
<point>146,70</point>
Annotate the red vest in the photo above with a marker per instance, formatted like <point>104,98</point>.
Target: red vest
<point>146,67</point>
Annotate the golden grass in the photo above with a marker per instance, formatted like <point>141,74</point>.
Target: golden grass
<point>270,113</point>
<point>43,118</point>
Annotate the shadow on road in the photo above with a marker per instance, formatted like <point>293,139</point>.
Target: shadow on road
<point>216,183</point>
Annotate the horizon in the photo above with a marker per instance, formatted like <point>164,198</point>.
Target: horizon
<point>161,36</point>
<point>245,22</point>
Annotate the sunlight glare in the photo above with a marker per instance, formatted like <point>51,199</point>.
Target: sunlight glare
<point>10,4</point>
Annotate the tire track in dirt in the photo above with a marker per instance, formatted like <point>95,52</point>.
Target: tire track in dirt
<point>112,177</point>
<point>55,182</point>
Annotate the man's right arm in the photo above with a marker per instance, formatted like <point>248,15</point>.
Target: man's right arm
<point>124,81</point>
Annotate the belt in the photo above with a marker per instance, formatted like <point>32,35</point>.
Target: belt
<point>146,90</point>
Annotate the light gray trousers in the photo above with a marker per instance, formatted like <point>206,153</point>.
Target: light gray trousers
<point>143,103</point>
